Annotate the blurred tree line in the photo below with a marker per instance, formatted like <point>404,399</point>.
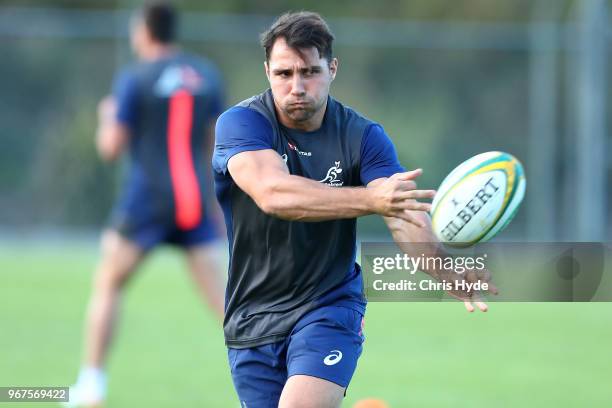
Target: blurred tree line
<point>439,106</point>
<point>478,10</point>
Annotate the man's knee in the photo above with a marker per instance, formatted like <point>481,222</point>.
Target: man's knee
<point>119,258</point>
<point>109,276</point>
<point>203,253</point>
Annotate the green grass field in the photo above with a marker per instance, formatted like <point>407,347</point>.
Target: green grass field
<point>169,350</point>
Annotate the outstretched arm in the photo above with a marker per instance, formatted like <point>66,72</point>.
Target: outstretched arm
<point>263,175</point>
<point>405,234</point>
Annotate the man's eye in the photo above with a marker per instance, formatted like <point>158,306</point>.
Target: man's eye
<point>312,72</point>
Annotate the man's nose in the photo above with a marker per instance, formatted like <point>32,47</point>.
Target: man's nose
<point>297,86</point>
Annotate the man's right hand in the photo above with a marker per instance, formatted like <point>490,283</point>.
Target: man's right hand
<point>111,136</point>
<point>107,109</point>
<point>396,197</point>
<point>470,298</point>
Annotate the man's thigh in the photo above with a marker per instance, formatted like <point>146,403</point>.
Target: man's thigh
<point>120,256</point>
<point>304,391</point>
<point>140,229</point>
<point>259,374</point>
<point>322,357</point>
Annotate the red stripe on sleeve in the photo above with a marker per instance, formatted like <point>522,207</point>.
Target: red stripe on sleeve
<point>188,205</point>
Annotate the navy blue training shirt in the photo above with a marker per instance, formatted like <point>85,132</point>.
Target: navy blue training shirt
<point>279,270</point>
<point>168,105</point>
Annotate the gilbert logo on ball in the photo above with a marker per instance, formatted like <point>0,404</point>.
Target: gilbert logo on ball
<point>478,199</point>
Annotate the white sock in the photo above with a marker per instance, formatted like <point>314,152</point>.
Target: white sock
<point>92,375</point>
<point>92,383</point>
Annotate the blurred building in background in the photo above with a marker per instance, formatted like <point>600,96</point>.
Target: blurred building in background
<point>446,79</point>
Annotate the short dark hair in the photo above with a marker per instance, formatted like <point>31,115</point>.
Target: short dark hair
<point>303,29</point>
<point>161,20</point>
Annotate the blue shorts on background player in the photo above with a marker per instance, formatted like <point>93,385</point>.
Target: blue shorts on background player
<point>162,113</point>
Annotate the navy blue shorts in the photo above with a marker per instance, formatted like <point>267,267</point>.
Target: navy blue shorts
<point>149,232</point>
<point>325,343</point>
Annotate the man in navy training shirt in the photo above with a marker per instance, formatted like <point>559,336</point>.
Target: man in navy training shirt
<point>293,170</point>
<point>162,111</point>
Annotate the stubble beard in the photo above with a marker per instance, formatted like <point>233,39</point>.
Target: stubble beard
<point>304,113</point>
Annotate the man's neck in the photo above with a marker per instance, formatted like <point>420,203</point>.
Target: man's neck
<point>159,51</point>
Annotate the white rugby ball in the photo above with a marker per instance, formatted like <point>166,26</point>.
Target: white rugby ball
<point>478,199</point>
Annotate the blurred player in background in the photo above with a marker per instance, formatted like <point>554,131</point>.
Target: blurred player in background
<point>162,112</point>
<point>294,168</point>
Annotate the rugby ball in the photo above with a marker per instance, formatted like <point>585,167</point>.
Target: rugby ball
<point>478,199</point>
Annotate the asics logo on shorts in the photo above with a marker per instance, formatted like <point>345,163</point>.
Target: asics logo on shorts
<point>333,358</point>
